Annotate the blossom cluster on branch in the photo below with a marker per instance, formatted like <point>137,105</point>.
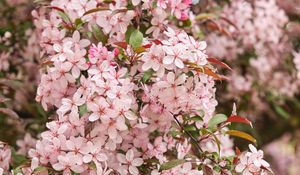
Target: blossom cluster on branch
<point>132,94</point>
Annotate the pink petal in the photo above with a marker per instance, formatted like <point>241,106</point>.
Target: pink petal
<point>130,115</point>
<point>87,158</point>
<point>130,155</point>
<point>137,162</point>
<point>147,65</point>
<point>121,158</point>
<point>168,59</point>
<point>70,145</point>
<point>93,117</point>
<point>179,63</point>
<point>133,170</point>
<point>112,132</point>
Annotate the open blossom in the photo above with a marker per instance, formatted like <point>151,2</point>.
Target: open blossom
<point>252,162</point>
<point>154,59</point>
<point>175,55</point>
<point>25,144</point>
<point>130,161</point>
<point>158,21</point>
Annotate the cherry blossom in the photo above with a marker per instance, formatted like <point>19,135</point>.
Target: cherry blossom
<point>130,161</point>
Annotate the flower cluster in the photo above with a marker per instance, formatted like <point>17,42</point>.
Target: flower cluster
<point>252,162</point>
<point>102,92</point>
<point>130,92</point>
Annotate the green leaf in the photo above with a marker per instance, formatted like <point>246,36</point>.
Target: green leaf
<point>190,128</point>
<point>241,134</point>
<point>282,113</point>
<point>136,38</point>
<point>217,142</point>
<point>217,119</point>
<point>128,33</point>
<point>147,75</point>
<point>99,34</point>
<point>185,23</point>
<point>82,109</point>
<point>171,164</point>
<point>18,159</point>
<point>196,118</point>
<point>40,169</point>
<point>64,16</point>
<point>204,131</point>
<point>78,23</point>
<point>174,133</point>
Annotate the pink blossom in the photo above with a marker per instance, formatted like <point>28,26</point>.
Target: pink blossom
<point>129,163</point>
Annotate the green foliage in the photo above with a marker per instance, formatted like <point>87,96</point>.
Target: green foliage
<point>136,38</point>
<point>217,119</point>
<point>171,164</point>
<point>99,34</point>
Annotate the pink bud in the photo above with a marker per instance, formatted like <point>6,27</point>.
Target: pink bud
<point>184,16</point>
<point>116,51</point>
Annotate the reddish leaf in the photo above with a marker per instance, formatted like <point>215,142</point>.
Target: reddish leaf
<point>46,62</point>
<point>229,22</point>
<point>226,32</point>
<point>207,170</point>
<point>57,8</point>
<point>237,151</point>
<point>209,72</point>
<point>121,44</point>
<point>215,61</point>
<point>95,10</point>
<point>212,24</point>
<point>235,160</point>
<point>238,119</point>
<point>146,46</point>
<point>157,42</point>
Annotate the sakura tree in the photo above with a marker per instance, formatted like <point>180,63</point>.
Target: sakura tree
<point>133,93</point>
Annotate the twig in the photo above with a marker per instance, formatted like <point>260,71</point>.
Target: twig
<point>189,134</point>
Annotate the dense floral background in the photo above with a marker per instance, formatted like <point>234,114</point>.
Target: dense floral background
<point>189,87</point>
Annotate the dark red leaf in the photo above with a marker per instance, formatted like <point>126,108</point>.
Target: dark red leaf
<point>237,151</point>
<point>57,8</point>
<point>146,46</point>
<point>95,10</point>
<point>121,44</point>
<point>157,42</point>
<point>238,119</point>
<point>235,160</point>
<point>229,22</point>
<point>216,61</point>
